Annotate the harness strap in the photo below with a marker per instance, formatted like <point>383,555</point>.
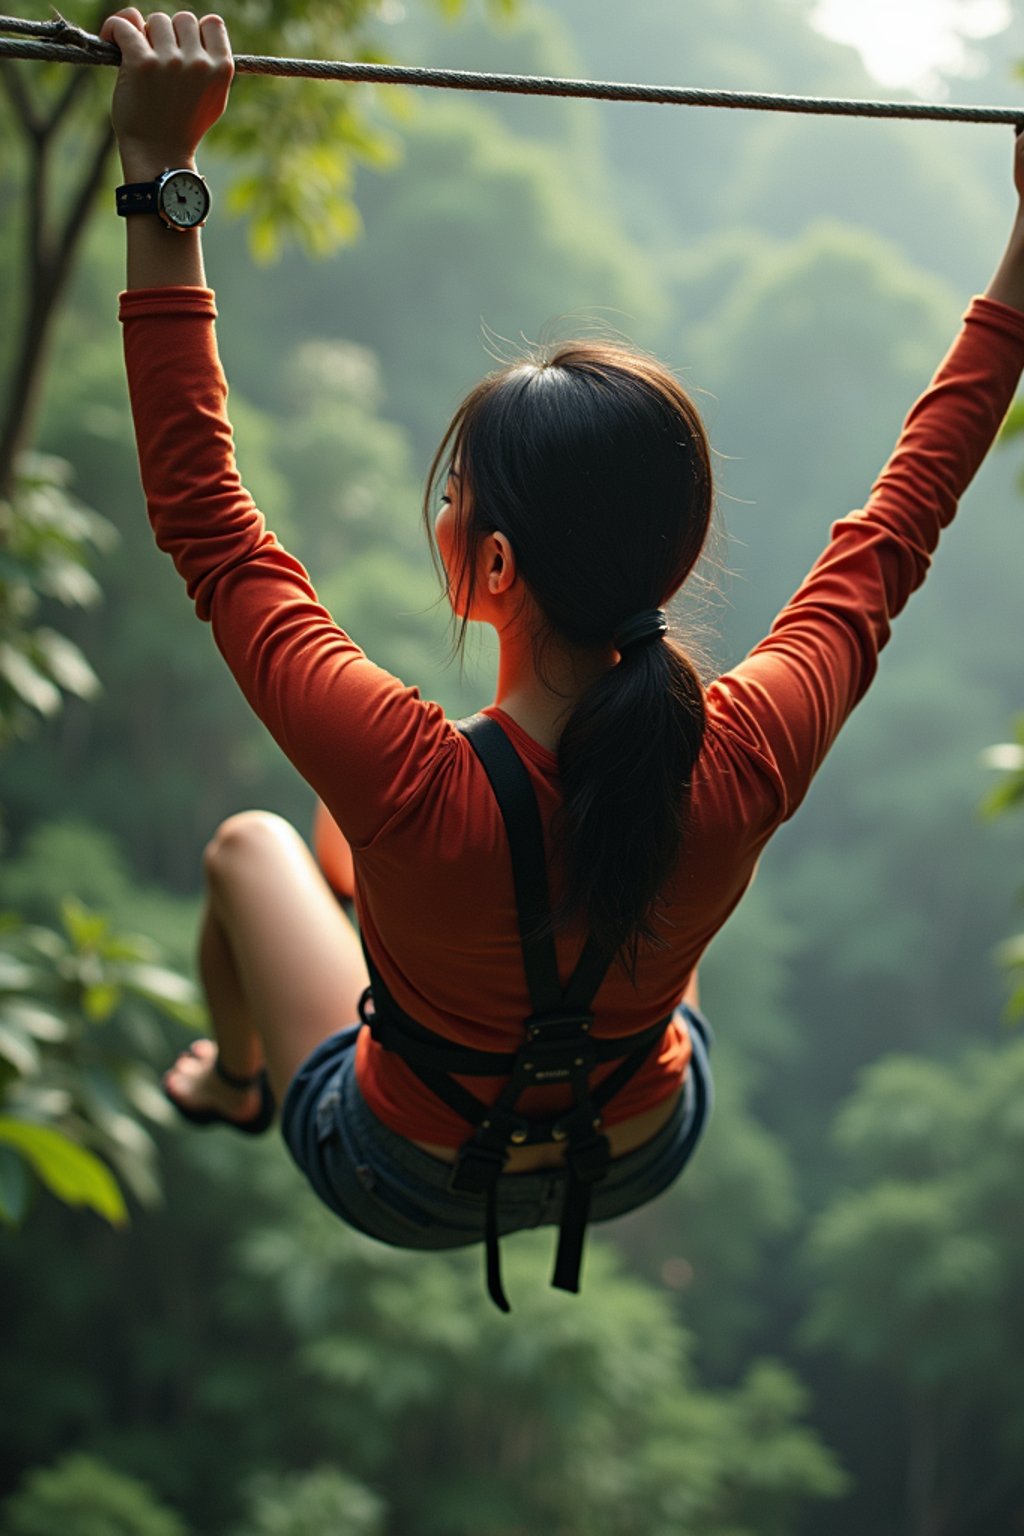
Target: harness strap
<point>392,1028</point>
<point>518,805</point>
<point>558,1047</point>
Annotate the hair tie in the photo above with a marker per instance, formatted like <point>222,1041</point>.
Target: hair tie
<point>651,624</point>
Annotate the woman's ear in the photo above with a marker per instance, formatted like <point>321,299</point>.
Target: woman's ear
<point>499,564</point>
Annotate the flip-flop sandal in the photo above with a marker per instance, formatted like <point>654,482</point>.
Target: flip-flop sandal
<point>255,1125</point>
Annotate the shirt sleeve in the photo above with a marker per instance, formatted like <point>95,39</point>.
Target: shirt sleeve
<point>784,705</point>
<point>360,737</point>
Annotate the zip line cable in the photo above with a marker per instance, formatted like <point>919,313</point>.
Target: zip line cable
<point>62,41</point>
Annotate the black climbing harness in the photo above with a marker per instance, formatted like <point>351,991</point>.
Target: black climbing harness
<point>558,1049</point>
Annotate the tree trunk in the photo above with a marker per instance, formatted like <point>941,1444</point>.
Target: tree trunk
<point>48,261</point>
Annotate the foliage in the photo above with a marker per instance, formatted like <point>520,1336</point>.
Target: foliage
<point>67,1170</point>
<point>920,1262</point>
<point>394,1370</point>
<point>584,1415</point>
<point>47,545</point>
<point>81,1496</point>
<point>78,1011</point>
<point>309,1503</point>
<point>71,1080</point>
<point>717,1271</point>
<point>1007,758</point>
<point>297,183</point>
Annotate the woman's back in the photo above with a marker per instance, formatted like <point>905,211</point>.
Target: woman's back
<point>446,933</point>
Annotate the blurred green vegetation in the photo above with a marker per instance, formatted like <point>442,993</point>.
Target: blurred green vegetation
<point>824,1308</point>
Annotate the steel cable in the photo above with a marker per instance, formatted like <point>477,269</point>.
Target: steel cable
<point>61,41</point>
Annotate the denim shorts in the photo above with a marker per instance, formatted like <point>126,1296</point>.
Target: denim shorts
<point>384,1186</point>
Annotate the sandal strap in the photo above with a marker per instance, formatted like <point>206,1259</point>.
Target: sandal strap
<point>233,1080</point>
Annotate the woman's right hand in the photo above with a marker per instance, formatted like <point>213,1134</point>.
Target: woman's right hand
<point>172,86</point>
<point>1008,284</point>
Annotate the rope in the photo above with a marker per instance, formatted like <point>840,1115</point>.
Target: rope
<point>60,40</point>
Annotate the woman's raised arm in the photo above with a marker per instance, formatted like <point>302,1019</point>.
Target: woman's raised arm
<point>1007,286</point>
<point>792,694</point>
<point>171,87</point>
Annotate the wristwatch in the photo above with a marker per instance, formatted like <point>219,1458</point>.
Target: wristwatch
<point>180,198</point>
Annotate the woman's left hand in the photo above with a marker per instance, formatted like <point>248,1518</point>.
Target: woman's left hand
<point>172,86</point>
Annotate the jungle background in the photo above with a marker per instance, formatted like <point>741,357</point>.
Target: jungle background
<point>819,1328</point>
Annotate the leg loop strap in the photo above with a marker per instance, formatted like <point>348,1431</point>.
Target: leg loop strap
<point>495,1289</point>
<point>586,1164</point>
<point>476,1172</point>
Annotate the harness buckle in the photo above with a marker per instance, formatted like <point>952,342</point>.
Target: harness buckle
<point>559,1024</point>
<point>578,1126</point>
<point>476,1169</point>
<point>482,1158</point>
<point>556,1061</point>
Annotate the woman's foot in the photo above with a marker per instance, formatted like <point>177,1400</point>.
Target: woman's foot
<point>205,1093</point>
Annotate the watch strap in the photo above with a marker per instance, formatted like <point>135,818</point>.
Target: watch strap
<point>137,197</point>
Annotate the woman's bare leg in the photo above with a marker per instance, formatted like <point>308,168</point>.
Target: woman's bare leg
<point>280,964</point>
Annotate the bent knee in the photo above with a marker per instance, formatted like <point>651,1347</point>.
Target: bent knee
<point>246,839</point>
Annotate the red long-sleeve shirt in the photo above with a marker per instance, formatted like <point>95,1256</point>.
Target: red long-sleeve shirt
<point>434,883</point>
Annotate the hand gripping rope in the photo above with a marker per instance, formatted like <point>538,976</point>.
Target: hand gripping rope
<point>60,40</point>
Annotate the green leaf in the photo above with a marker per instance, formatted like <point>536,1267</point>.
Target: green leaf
<point>1013,426</point>
<point>69,583</point>
<point>70,1172</point>
<point>15,975</point>
<point>19,1050</point>
<point>157,982</point>
<point>85,929</point>
<point>66,664</point>
<point>1002,799</point>
<point>1011,952</point>
<point>1005,757</point>
<point>1015,1006</point>
<point>28,682</point>
<point>99,1002</point>
<point>40,1023</point>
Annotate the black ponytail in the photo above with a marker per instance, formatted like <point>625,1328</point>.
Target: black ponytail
<point>625,759</point>
<point>595,465</point>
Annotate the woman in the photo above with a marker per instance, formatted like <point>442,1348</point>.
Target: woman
<point>534,1055</point>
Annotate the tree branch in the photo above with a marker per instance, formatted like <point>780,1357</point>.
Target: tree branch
<point>49,262</point>
<point>76,85</point>
<point>74,225</point>
<point>21,101</point>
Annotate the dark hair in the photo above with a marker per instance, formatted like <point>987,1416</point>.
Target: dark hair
<point>594,464</point>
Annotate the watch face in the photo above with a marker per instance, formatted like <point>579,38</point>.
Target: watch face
<point>183,199</point>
